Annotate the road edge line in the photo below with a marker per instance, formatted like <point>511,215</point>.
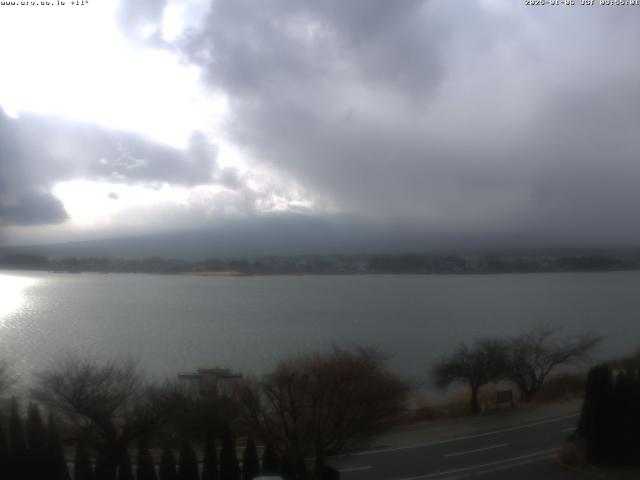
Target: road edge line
<point>456,439</point>
<point>508,461</point>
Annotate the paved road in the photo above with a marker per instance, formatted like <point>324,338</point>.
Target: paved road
<point>472,454</point>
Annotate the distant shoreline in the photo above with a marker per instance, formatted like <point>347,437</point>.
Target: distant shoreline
<point>223,273</point>
<point>232,274</point>
<point>391,264</point>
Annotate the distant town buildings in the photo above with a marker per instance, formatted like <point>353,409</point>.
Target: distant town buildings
<point>339,264</point>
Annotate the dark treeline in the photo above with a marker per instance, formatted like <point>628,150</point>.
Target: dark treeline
<point>339,264</point>
<point>610,419</point>
<point>33,450</point>
<point>106,421</point>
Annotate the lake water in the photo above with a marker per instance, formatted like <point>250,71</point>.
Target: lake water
<point>173,323</point>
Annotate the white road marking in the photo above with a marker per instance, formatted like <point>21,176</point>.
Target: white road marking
<point>451,440</point>
<point>570,429</point>
<point>483,465</point>
<point>355,469</point>
<point>457,454</point>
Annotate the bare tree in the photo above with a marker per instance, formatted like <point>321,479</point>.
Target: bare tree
<point>109,403</point>
<point>322,404</point>
<point>534,355</point>
<point>483,362</point>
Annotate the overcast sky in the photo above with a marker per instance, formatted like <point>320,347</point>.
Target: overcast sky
<point>459,118</point>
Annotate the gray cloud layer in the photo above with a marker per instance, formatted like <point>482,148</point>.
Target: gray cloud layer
<point>36,152</point>
<point>460,119</point>
<point>436,117</point>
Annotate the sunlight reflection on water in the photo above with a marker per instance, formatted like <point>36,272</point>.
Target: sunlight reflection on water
<point>13,294</point>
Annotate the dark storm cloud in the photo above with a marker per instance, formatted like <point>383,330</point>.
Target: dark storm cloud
<point>31,208</point>
<point>292,48</point>
<point>36,152</point>
<point>492,118</point>
<point>23,201</point>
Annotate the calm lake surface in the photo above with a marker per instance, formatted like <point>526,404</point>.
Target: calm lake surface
<point>173,323</point>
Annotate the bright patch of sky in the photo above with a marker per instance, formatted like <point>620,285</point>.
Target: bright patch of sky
<point>74,62</point>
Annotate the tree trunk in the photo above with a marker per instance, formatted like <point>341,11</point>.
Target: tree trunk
<point>319,464</point>
<point>475,404</point>
<point>528,390</point>
<point>324,472</point>
<point>527,395</point>
<point>109,459</point>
